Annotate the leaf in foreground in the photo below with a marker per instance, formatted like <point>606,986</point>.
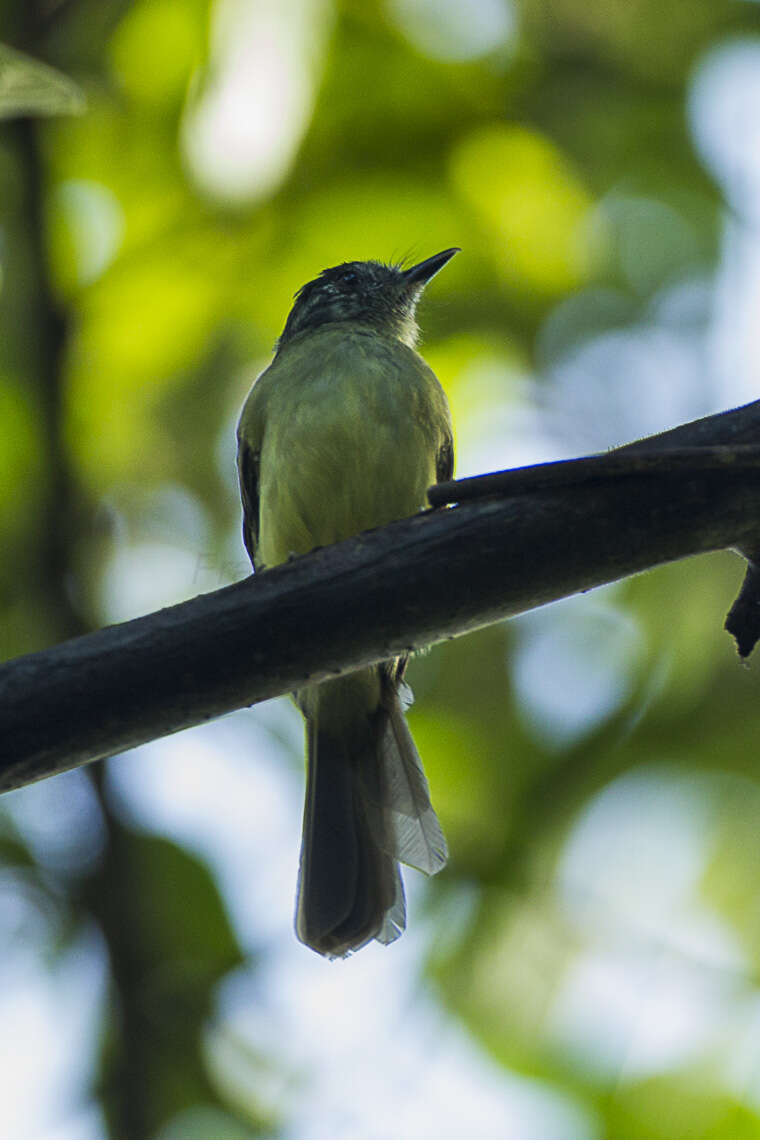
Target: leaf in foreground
<point>28,87</point>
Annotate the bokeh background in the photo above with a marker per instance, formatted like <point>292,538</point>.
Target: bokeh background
<point>588,966</point>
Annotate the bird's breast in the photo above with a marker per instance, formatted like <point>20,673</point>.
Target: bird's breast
<point>347,446</point>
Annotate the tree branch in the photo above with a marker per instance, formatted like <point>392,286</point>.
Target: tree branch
<point>417,581</point>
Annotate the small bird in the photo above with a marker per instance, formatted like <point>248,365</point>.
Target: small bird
<point>344,431</point>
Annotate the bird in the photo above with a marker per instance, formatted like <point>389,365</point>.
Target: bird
<point>345,431</point>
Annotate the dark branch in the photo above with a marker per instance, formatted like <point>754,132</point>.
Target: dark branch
<point>723,440</point>
<point>743,619</point>
<point>417,581</point>
<point>619,464</point>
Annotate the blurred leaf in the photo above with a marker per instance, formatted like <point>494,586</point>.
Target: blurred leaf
<point>171,942</point>
<point>501,979</point>
<point>732,878</point>
<point>19,456</point>
<point>686,1104</point>
<point>14,851</point>
<point>28,87</point>
<point>155,48</point>
<point>533,204</point>
<point>174,897</point>
<point>630,34</point>
<point>202,1123</point>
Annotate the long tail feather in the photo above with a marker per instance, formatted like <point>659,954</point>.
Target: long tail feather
<point>418,839</point>
<point>367,809</point>
<point>348,883</point>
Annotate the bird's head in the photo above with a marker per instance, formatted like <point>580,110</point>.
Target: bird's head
<point>383,297</point>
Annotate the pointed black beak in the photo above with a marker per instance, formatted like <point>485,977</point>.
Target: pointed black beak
<point>419,275</point>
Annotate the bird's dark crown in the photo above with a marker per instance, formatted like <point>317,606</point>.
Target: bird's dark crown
<point>366,292</point>
<point>370,293</point>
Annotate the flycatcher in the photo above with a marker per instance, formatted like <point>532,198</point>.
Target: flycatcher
<point>344,431</point>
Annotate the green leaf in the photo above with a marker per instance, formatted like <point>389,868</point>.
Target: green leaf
<point>28,87</point>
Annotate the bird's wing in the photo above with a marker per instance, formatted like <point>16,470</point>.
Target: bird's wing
<point>444,461</point>
<point>248,473</point>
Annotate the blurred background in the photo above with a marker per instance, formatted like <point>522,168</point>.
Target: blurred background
<point>588,966</point>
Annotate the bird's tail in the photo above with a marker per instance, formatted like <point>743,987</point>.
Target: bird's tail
<point>367,809</point>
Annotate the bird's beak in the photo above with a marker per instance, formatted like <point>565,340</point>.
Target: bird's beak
<point>419,275</point>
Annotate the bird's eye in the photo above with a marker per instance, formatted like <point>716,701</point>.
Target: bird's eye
<point>348,277</point>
